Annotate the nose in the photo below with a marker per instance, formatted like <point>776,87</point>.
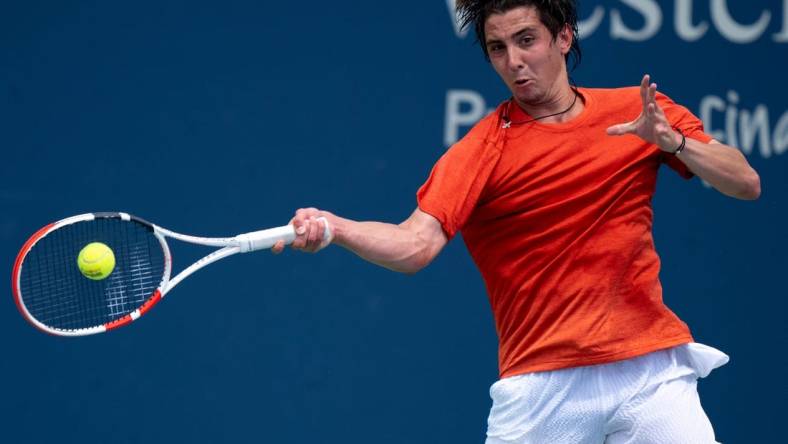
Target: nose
<point>513,60</point>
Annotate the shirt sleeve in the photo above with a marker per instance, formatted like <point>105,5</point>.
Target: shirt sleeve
<point>692,127</point>
<point>458,178</point>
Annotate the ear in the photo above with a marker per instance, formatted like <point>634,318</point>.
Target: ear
<point>564,39</point>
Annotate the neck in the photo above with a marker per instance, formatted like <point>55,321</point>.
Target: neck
<point>559,103</point>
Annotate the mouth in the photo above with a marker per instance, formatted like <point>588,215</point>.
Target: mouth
<point>523,82</point>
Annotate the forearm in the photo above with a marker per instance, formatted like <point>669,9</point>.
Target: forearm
<point>723,167</point>
<point>405,248</point>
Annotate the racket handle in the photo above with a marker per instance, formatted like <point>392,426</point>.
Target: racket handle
<point>264,239</point>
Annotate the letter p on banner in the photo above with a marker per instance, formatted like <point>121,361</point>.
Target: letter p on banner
<point>463,108</point>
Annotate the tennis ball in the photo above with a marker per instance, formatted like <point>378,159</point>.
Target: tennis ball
<point>96,261</point>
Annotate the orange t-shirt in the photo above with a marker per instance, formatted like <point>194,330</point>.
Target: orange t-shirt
<point>558,219</point>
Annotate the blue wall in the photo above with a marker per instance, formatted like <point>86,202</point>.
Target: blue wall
<point>214,118</point>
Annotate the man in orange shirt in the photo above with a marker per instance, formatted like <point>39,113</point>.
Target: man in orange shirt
<point>552,194</point>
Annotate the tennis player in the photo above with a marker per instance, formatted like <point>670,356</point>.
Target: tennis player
<point>552,194</point>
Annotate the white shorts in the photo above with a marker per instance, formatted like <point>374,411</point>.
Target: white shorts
<point>647,399</point>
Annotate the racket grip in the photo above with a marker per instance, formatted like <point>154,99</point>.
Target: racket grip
<point>264,239</point>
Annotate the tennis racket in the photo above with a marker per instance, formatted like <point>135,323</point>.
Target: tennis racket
<point>53,295</point>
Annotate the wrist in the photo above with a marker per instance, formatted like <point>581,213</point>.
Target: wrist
<point>682,144</point>
<point>676,143</point>
<point>338,228</point>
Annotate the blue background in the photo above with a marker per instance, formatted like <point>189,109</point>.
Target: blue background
<point>214,118</point>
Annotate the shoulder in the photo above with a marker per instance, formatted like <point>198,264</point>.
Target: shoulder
<point>614,96</point>
<point>626,91</point>
<point>625,96</point>
<point>614,100</point>
<point>487,127</point>
<point>482,136</point>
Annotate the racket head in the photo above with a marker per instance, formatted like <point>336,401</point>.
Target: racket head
<point>53,295</point>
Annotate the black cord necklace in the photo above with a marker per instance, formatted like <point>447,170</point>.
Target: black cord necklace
<point>507,122</point>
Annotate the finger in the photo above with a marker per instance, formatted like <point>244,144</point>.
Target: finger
<point>313,240</point>
<point>656,114</point>
<point>278,247</point>
<point>298,221</point>
<point>644,90</point>
<point>660,112</point>
<point>652,93</point>
<point>318,241</point>
<point>308,228</point>
<point>302,228</point>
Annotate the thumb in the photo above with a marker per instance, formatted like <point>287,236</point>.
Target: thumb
<point>278,247</point>
<point>620,129</point>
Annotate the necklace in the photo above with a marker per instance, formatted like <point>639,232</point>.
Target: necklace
<point>507,122</point>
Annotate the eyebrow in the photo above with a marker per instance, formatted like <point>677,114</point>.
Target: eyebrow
<point>522,31</point>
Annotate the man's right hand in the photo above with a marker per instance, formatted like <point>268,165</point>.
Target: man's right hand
<point>310,228</point>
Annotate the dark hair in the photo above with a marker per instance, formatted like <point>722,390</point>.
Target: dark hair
<point>554,14</point>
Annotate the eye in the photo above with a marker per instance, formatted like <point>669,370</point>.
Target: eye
<point>495,48</point>
<point>526,40</point>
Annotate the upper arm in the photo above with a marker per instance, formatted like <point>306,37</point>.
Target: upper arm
<point>429,230</point>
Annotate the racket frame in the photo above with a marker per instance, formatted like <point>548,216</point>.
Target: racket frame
<point>228,246</point>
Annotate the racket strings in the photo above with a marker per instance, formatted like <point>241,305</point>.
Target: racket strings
<point>55,292</point>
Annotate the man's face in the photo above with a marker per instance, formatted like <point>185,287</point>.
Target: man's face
<point>525,55</point>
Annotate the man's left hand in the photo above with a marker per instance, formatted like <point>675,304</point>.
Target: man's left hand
<point>651,125</point>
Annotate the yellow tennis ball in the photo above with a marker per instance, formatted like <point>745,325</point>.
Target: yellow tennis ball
<point>96,261</point>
